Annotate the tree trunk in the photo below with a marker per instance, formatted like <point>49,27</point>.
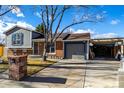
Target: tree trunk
<point>45,52</point>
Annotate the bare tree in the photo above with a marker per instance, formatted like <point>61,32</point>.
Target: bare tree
<point>52,17</point>
<point>4,9</point>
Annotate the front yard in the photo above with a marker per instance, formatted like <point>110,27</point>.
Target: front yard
<point>37,65</point>
<point>3,67</point>
<point>33,66</point>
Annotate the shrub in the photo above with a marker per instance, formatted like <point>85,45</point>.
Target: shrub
<point>5,59</point>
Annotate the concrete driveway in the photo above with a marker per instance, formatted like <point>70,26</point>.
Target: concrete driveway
<point>71,73</point>
<point>102,74</point>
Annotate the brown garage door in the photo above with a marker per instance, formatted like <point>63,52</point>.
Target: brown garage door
<point>74,48</point>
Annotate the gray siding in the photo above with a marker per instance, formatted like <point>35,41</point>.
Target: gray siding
<point>27,43</point>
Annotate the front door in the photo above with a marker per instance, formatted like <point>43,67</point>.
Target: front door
<point>35,48</point>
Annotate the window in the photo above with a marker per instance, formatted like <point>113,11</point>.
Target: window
<point>17,39</point>
<point>51,48</point>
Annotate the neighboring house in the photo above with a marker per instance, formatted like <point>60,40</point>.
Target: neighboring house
<point>1,50</point>
<point>22,40</point>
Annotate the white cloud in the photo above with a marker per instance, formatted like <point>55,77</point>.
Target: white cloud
<point>37,14</point>
<point>18,12</point>
<point>50,18</point>
<point>93,33</point>
<point>2,38</point>
<point>104,12</point>
<point>5,25</point>
<point>98,16</point>
<point>24,24</point>
<point>20,15</point>
<point>84,31</point>
<point>115,22</point>
<point>106,35</point>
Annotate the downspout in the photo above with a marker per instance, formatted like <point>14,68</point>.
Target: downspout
<point>87,50</point>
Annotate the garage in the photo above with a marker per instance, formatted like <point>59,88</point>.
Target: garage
<point>74,48</point>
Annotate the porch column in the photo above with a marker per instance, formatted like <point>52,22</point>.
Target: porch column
<point>122,48</point>
<point>114,51</point>
<point>87,50</point>
<point>33,46</point>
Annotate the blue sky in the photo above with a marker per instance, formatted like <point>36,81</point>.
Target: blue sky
<point>28,16</point>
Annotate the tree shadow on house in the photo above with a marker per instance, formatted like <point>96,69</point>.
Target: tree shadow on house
<point>45,80</point>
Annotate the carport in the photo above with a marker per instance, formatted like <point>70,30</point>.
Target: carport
<point>106,47</point>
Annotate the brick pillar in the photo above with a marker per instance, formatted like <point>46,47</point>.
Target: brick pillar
<point>17,67</point>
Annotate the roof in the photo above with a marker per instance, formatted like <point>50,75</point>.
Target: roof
<point>106,40</point>
<point>16,26</point>
<point>72,37</point>
<point>78,36</point>
<point>62,36</point>
<point>2,44</point>
<point>35,34</point>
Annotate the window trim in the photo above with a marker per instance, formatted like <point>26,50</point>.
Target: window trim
<point>54,49</point>
<point>19,39</point>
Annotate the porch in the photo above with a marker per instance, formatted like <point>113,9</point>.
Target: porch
<point>54,51</point>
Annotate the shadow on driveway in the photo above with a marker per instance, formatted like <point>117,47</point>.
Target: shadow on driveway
<point>45,80</point>
<point>89,67</point>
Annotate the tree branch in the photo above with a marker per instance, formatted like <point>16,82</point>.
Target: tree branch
<point>61,17</point>
<point>6,11</point>
<point>47,15</point>
<point>43,21</point>
<point>53,15</point>
<point>70,26</point>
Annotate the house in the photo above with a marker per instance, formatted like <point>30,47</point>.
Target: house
<point>21,40</point>
<point>1,49</point>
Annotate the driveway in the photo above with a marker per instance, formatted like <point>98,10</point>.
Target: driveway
<point>102,74</point>
<point>71,73</point>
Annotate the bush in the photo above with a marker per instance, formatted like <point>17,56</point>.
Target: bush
<point>5,59</point>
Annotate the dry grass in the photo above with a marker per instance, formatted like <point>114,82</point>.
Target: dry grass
<point>5,59</point>
<point>33,65</point>
<point>3,67</point>
<point>37,65</point>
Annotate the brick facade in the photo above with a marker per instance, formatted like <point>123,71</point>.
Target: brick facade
<point>19,51</point>
<point>59,49</point>
<point>41,48</point>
